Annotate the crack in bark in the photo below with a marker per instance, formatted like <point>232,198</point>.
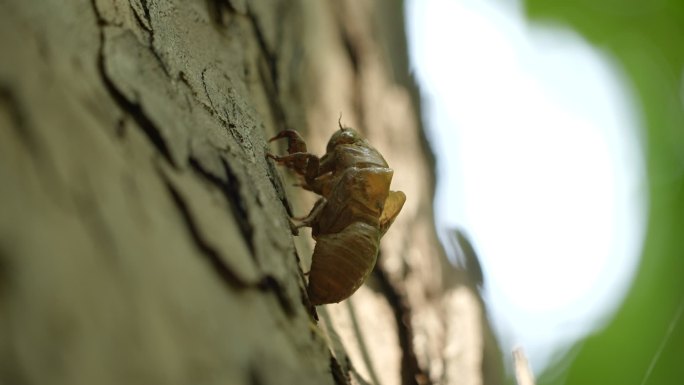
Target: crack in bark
<point>270,57</point>
<point>18,118</point>
<point>23,127</point>
<point>266,283</point>
<point>216,10</point>
<point>351,51</point>
<point>268,72</point>
<point>277,183</point>
<point>362,343</point>
<point>355,58</point>
<point>145,22</point>
<point>411,372</point>
<point>144,19</point>
<point>212,255</point>
<point>338,375</point>
<point>146,12</point>
<point>358,379</point>
<point>133,109</point>
<point>269,284</point>
<point>230,187</point>
<point>211,108</point>
<point>203,76</point>
<point>254,376</point>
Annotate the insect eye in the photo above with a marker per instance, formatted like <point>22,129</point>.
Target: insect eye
<point>343,136</point>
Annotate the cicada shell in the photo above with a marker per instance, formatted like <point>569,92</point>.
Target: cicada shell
<point>341,262</point>
<point>355,210</point>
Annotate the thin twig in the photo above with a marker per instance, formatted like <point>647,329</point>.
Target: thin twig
<point>670,329</point>
<point>523,373</point>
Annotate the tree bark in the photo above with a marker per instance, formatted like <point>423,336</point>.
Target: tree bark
<point>144,235</point>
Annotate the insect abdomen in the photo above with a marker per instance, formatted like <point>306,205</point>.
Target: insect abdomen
<point>341,262</point>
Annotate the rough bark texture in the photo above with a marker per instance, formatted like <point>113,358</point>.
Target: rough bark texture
<point>144,236</point>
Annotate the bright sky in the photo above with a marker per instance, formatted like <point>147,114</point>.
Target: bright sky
<point>539,161</point>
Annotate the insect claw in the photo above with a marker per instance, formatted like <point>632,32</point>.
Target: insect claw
<point>293,228</point>
<point>295,143</point>
<point>280,135</point>
<point>276,158</point>
<point>308,219</point>
<point>302,223</point>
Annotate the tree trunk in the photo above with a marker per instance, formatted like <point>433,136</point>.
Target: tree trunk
<point>144,235</point>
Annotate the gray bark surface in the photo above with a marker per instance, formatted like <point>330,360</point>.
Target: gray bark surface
<point>144,235</point>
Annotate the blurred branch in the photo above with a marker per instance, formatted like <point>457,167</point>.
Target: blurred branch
<point>523,373</point>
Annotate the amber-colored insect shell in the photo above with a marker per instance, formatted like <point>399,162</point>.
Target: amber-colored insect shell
<point>342,262</point>
<point>356,209</point>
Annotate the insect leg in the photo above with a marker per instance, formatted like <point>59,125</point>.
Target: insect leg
<point>299,162</point>
<point>308,219</point>
<point>295,142</point>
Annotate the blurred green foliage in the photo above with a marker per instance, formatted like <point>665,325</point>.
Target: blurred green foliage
<point>647,39</point>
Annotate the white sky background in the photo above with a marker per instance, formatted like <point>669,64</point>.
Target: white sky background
<point>539,162</point>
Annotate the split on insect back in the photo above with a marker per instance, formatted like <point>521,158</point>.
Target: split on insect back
<point>354,211</point>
